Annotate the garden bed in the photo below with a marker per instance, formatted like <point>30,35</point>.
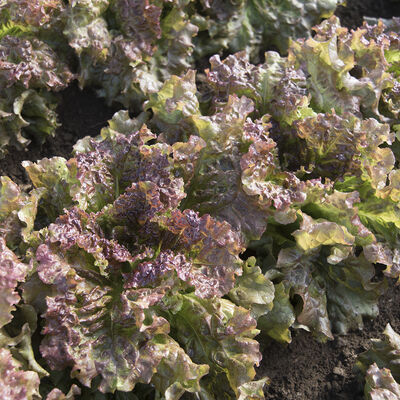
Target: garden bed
<point>303,369</point>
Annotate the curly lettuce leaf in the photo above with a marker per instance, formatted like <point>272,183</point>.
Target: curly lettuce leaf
<point>17,212</point>
<point>342,207</point>
<point>378,215</point>
<point>380,384</point>
<point>12,271</point>
<point>335,287</point>
<point>220,334</point>
<point>253,290</point>
<point>51,176</point>
<point>277,322</point>
<point>173,104</point>
<point>314,233</point>
<point>15,383</point>
<point>33,64</point>
<point>253,389</point>
<point>25,116</point>
<point>57,394</point>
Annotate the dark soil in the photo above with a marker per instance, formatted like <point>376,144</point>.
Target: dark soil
<point>352,15</point>
<point>308,370</point>
<point>80,113</point>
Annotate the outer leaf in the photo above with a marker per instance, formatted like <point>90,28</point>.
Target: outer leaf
<point>32,63</point>
<point>253,290</point>
<point>220,334</point>
<point>384,353</point>
<point>176,43</point>
<point>341,207</point>
<point>299,280</point>
<point>53,177</point>
<point>17,212</point>
<point>313,234</point>
<point>11,201</point>
<point>253,390</point>
<point>380,253</point>
<point>15,383</point>
<point>333,296</point>
<point>330,56</point>
<point>375,222</point>
<point>173,103</point>
<point>119,123</point>
<point>25,115</point>
<point>57,394</point>
<point>380,384</point>
<point>177,373</point>
<point>277,322</point>
<point>12,271</point>
<point>378,215</point>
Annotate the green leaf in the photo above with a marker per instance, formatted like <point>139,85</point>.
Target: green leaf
<point>315,233</point>
<point>253,290</point>
<point>17,212</point>
<point>219,334</point>
<point>383,352</point>
<point>55,179</point>
<point>177,373</point>
<point>173,103</point>
<point>277,322</point>
<point>334,297</point>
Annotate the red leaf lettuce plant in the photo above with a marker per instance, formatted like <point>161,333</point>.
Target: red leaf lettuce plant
<point>130,285</point>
